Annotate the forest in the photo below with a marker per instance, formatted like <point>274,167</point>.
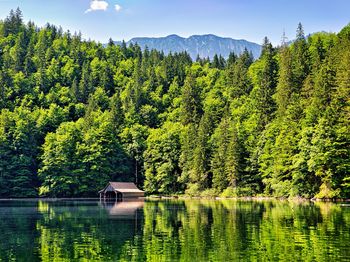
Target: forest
<point>76,114</point>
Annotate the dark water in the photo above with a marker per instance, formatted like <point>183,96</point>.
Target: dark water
<point>191,230</point>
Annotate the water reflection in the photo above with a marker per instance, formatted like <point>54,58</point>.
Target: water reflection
<point>174,230</point>
<point>126,209</point>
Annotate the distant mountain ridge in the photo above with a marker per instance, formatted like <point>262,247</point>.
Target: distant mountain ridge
<point>202,45</point>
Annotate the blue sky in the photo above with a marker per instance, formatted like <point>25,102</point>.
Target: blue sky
<point>239,19</point>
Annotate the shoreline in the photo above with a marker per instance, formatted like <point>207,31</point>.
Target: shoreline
<point>185,197</point>
<point>257,198</point>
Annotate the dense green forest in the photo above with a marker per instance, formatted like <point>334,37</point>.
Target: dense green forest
<point>76,114</point>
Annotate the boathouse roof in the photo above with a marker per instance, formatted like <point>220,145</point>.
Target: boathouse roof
<point>122,187</point>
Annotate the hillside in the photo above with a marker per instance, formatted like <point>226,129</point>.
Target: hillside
<point>75,114</point>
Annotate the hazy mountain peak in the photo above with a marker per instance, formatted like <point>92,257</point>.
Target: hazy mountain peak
<point>174,36</point>
<point>203,45</point>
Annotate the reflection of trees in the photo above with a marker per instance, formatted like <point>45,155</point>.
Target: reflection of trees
<point>14,245</point>
<point>82,232</point>
<point>229,230</point>
<point>191,230</point>
<point>197,230</point>
<point>63,231</point>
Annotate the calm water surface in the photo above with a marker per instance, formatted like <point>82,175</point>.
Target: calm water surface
<point>190,230</point>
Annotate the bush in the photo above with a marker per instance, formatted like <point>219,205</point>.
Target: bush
<point>326,192</point>
<point>210,193</point>
<point>229,192</point>
<point>245,191</point>
<point>192,190</point>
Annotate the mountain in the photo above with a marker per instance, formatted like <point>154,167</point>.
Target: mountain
<point>202,45</point>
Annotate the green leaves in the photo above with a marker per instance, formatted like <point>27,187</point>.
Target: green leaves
<point>18,148</point>
<point>162,156</point>
<point>78,160</point>
<point>75,114</point>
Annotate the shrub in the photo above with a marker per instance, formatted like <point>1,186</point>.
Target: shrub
<point>229,192</point>
<point>327,192</point>
<point>210,193</point>
<point>192,190</point>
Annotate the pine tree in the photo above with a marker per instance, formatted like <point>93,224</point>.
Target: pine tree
<point>19,52</point>
<point>231,59</point>
<point>266,83</point>
<point>233,163</point>
<point>219,158</point>
<point>216,62</point>
<point>237,79</point>
<point>191,108</point>
<point>284,87</point>
<point>13,23</point>
<point>200,173</point>
<point>85,84</point>
<point>300,64</point>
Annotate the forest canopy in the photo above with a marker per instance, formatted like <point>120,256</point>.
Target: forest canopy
<point>76,114</point>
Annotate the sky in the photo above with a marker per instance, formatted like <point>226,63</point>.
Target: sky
<point>240,19</point>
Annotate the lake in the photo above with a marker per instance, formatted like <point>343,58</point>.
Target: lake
<point>174,230</point>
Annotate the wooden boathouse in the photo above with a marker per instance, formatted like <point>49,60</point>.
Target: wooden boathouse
<point>120,190</point>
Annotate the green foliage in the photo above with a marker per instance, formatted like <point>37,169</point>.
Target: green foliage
<point>162,155</point>
<point>78,159</point>
<point>209,193</point>
<point>193,190</point>
<point>226,157</point>
<point>18,147</point>
<point>229,192</point>
<point>76,114</point>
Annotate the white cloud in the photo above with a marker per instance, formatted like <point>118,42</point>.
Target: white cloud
<point>117,7</point>
<point>97,5</point>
